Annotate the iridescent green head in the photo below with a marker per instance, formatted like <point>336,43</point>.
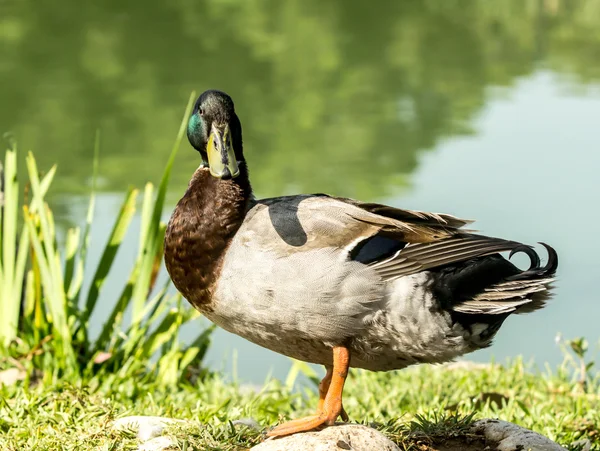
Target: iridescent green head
<point>215,131</point>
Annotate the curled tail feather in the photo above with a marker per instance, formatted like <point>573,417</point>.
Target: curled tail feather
<point>523,292</point>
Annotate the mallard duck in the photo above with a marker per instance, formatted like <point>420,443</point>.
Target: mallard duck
<point>336,281</point>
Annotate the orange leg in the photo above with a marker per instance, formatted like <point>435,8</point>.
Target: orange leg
<point>323,388</point>
<point>330,398</point>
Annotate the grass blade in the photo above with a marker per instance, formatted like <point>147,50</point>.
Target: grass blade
<point>110,251</point>
<point>146,216</point>
<point>71,247</point>
<point>9,304</point>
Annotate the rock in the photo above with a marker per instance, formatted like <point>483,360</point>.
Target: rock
<point>146,427</point>
<point>11,376</point>
<point>354,437</point>
<point>583,445</point>
<point>510,437</point>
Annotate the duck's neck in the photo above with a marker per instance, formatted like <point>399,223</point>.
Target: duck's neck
<point>200,230</point>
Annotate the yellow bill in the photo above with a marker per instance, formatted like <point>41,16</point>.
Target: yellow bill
<point>221,155</point>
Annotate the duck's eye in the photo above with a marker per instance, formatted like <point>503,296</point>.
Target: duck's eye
<point>201,111</point>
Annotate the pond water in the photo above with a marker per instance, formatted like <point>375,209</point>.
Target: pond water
<point>486,110</point>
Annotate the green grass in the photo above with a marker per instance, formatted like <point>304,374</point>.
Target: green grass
<point>414,407</point>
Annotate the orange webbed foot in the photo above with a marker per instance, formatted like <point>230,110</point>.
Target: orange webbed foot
<point>301,425</point>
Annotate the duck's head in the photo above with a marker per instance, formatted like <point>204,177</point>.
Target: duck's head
<point>215,131</point>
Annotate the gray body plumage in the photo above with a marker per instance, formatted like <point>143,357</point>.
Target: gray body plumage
<point>289,284</point>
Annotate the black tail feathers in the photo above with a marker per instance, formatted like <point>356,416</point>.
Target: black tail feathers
<point>536,271</point>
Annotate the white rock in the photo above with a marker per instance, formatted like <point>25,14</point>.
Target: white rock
<point>511,437</point>
<point>354,437</point>
<point>146,427</point>
<point>11,376</point>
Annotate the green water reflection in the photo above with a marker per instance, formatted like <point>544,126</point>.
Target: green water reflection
<point>334,96</point>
